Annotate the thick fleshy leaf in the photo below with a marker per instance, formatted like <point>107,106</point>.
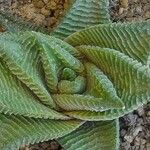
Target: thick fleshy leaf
<point>77,86</point>
<point>21,56</point>
<point>98,85</point>
<point>82,14</point>
<point>93,136</point>
<point>23,60</point>
<point>100,94</point>
<point>129,77</point>
<point>132,39</point>
<point>23,53</point>
<point>17,131</point>
<point>16,98</point>
<point>85,102</point>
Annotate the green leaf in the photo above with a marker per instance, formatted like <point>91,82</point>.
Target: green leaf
<point>33,61</point>
<point>23,60</point>
<point>98,85</point>
<point>23,53</point>
<point>16,98</point>
<point>85,102</point>
<point>18,130</point>
<point>82,14</point>
<point>100,94</point>
<point>130,78</point>
<point>93,136</point>
<point>101,76</point>
<point>132,39</point>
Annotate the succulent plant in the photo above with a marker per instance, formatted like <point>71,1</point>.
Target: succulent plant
<point>73,85</point>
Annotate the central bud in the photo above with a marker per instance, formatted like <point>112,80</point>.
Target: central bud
<point>68,74</point>
<point>70,83</point>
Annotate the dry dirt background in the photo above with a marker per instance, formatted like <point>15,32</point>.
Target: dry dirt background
<point>135,127</point>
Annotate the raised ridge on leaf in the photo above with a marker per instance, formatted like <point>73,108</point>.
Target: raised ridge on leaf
<point>85,102</point>
<point>22,59</point>
<point>98,85</point>
<point>82,14</point>
<point>129,77</point>
<point>90,82</point>
<point>16,98</point>
<point>132,39</point>
<point>18,130</point>
<point>102,135</point>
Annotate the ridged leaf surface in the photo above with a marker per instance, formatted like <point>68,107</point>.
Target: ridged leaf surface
<point>130,78</point>
<point>16,98</point>
<point>82,14</point>
<point>85,102</point>
<point>98,74</point>
<point>132,39</point>
<point>93,136</point>
<point>17,130</point>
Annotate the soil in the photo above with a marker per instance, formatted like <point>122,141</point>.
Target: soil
<point>129,10</point>
<point>134,127</point>
<point>41,12</point>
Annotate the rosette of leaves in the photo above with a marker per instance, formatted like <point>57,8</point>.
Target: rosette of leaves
<point>74,89</point>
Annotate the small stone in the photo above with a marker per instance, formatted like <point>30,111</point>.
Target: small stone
<point>147,15</point>
<point>139,141</point>
<point>28,11</point>
<point>45,12</point>
<point>57,13</point>
<point>129,19</point>
<point>121,10</point>
<point>44,145</point>
<point>1,29</point>
<point>124,3</point>
<point>24,148</point>
<point>123,132</point>
<point>148,113</point>
<point>38,4</point>
<point>125,146</point>
<point>138,10</point>
<point>128,138</point>
<point>39,19</point>
<point>148,146</point>
<point>131,119</point>
<point>51,5</point>
<point>66,5</point>
<point>140,111</point>
<point>139,121</point>
<point>143,141</point>
<point>14,5</point>
<point>54,145</point>
<point>60,7</point>
<point>51,21</point>
<point>137,130</point>
<point>135,1</point>
<point>45,1</point>
<point>135,147</point>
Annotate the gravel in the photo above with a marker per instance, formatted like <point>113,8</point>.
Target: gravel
<point>135,130</point>
<point>129,10</point>
<point>134,127</point>
<point>42,12</point>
